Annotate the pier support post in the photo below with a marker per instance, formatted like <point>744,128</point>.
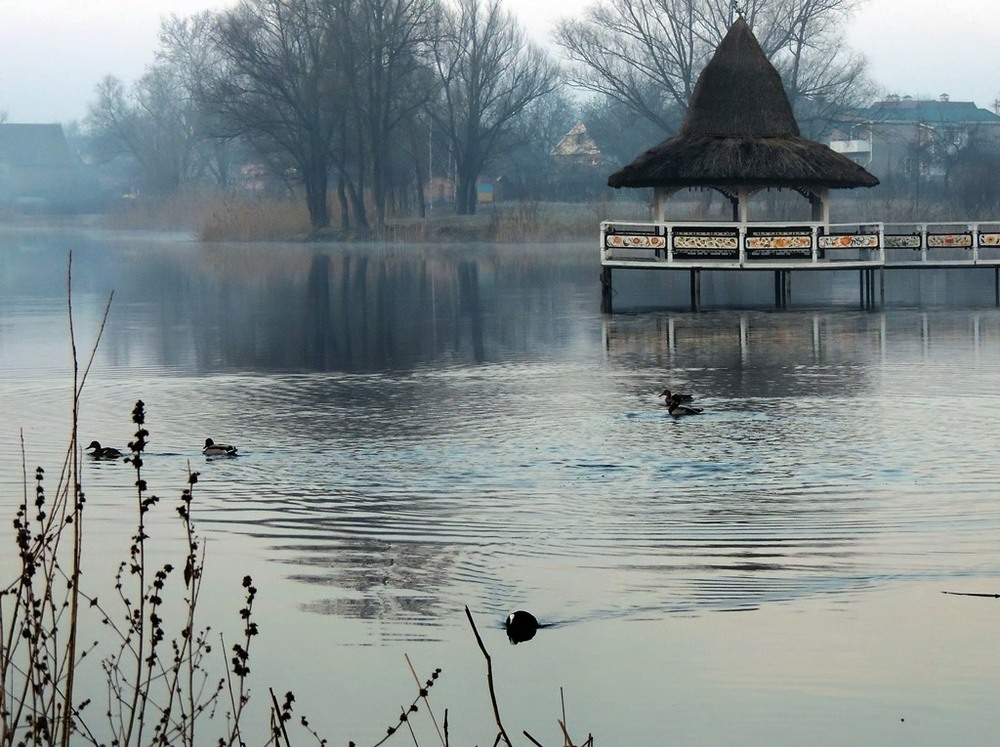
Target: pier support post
<point>606,290</point>
<point>695,289</point>
<point>867,287</point>
<point>996,285</point>
<point>782,288</point>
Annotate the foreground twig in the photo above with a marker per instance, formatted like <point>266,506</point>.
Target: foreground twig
<point>404,716</point>
<point>489,680</point>
<point>423,695</point>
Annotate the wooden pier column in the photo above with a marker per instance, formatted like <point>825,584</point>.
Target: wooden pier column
<point>866,279</point>
<point>996,285</point>
<point>695,289</point>
<point>782,288</point>
<point>881,286</point>
<point>606,290</point>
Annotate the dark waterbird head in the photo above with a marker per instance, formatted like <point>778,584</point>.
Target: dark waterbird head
<point>675,396</point>
<point>521,626</point>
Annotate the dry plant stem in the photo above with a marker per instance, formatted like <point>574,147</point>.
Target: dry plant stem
<point>238,697</point>
<point>137,706</point>
<point>489,680</point>
<point>277,717</point>
<point>77,509</point>
<point>427,703</point>
<point>39,620</point>
<point>404,716</point>
<point>409,725</point>
<point>77,523</point>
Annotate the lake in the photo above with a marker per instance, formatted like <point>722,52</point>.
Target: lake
<point>422,429</point>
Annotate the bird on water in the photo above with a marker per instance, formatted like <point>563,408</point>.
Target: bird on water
<point>103,452</point>
<point>677,410</point>
<point>676,396</point>
<point>521,626</point>
<point>214,449</point>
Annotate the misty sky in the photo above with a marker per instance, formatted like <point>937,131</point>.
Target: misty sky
<point>54,52</point>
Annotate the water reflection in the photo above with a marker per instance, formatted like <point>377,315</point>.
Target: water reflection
<point>418,427</point>
<point>424,429</point>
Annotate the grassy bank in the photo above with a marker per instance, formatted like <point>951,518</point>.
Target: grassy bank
<point>215,216</point>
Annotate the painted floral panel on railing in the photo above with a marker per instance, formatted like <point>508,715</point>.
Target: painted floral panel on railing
<point>702,244</point>
<point>706,240</point>
<point>853,241</point>
<point>902,241</point>
<point>989,239</point>
<point>945,240</point>
<point>624,241</point>
<point>779,242</point>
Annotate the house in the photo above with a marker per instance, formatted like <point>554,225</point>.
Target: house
<point>903,138</point>
<point>577,148</point>
<point>38,171</point>
<point>577,167</point>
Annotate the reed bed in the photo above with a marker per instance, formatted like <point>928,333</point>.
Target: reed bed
<point>216,216</point>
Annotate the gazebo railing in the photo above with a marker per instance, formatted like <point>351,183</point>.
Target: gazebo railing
<point>798,244</point>
<point>694,243</point>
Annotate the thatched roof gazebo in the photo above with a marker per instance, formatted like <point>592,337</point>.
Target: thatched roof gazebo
<point>739,136</point>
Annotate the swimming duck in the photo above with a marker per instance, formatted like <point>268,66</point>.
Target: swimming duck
<point>214,449</point>
<point>521,626</point>
<point>676,396</point>
<point>103,452</point>
<point>676,409</point>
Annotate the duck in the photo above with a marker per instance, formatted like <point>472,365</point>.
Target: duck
<point>213,449</point>
<point>521,626</point>
<point>103,452</point>
<point>677,410</point>
<point>676,396</point>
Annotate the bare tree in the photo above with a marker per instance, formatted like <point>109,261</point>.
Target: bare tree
<point>281,83</point>
<point>187,48</point>
<point>388,46</point>
<point>647,54</point>
<point>489,73</point>
<point>156,122</point>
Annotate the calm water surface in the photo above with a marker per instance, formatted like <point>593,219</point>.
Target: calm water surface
<point>422,429</point>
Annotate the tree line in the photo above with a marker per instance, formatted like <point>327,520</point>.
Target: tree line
<point>364,100</point>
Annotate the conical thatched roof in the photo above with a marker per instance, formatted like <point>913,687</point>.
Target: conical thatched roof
<point>740,130</point>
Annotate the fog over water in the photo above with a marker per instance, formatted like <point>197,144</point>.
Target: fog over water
<point>425,428</point>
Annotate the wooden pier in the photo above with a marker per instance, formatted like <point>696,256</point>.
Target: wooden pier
<point>784,248</point>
